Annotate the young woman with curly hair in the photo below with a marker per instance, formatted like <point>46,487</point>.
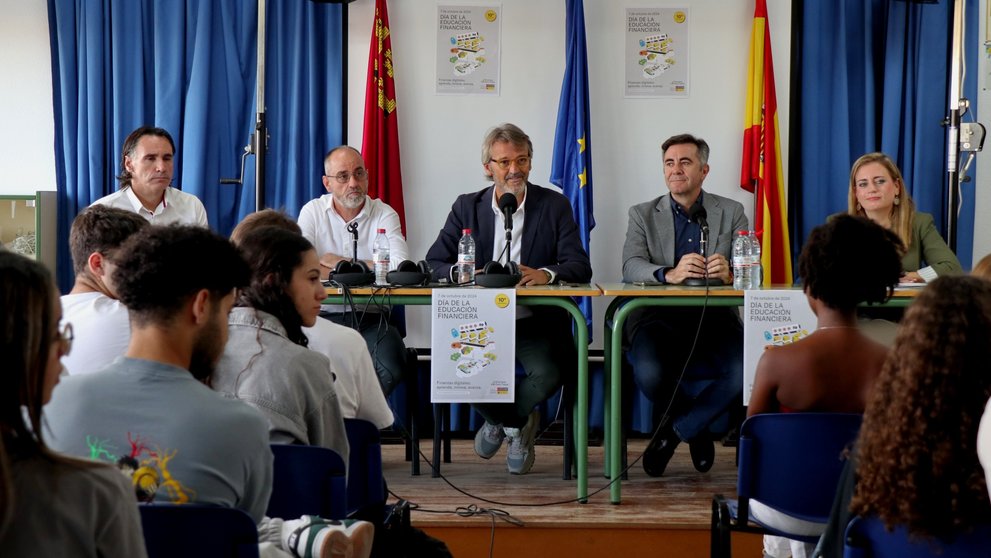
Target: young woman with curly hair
<point>918,464</point>
<point>806,376</point>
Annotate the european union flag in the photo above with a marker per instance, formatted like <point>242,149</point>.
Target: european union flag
<point>571,169</point>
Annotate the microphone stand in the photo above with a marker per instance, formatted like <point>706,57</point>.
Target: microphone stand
<point>705,280</point>
<point>353,229</point>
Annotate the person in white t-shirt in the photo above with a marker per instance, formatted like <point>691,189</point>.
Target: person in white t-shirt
<point>357,385</point>
<point>100,321</point>
<point>327,223</point>
<point>146,172</point>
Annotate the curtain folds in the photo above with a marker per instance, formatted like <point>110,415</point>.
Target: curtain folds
<point>190,67</point>
<point>875,77</point>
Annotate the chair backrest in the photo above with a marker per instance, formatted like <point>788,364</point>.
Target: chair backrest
<point>792,461</point>
<point>307,480</point>
<point>195,531</point>
<point>365,481</point>
<point>867,537</point>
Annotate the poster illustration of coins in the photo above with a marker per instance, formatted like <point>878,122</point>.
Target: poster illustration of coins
<point>468,49</point>
<point>656,52</point>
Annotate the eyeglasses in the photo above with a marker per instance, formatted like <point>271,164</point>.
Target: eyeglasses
<point>521,162</point>
<point>344,177</point>
<point>64,338</point>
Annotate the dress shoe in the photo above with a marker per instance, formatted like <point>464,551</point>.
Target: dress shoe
<point>703,453</point>
<point>659,452</point>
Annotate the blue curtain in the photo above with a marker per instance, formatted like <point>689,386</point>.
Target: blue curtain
<point>189,66</point>
<point>874,76</point>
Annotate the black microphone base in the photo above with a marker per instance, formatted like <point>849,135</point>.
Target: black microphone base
<point>497,280</point>
<point>703,282</point>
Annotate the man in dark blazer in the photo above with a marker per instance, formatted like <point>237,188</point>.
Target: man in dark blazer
<point>662,245</point>
<point>546,245</point>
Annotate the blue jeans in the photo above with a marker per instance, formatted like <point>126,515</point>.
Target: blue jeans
<point>713,380</point>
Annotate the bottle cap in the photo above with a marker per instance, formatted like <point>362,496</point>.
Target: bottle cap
<point>465,231</point>
<point>743,233</point>
<point>381,231</point>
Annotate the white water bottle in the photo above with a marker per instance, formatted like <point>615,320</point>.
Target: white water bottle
<point>466,258</point>
<point>380,257</point>
<point>756,268</point>
<point>742,250</point>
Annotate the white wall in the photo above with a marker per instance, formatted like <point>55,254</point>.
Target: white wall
<point>27,156</point>
<point>440,136</point>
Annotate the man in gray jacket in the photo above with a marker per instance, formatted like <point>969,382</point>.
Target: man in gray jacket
<point>663,245</point>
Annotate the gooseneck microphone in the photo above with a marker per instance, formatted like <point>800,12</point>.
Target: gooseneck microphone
<point>697,214</point>
<point>507,205</point>
<point>353,229</point>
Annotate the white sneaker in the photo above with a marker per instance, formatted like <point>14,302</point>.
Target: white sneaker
<point>521,454</point>
<point>329,538</point>
<point>488,440</point>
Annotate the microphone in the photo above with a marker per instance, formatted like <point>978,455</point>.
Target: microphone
<point>697,214</point>
<point>353,229</point>
<point>508,205</point>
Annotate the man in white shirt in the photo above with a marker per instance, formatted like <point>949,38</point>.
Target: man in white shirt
<point>355,381</point>
<point>146,168</point>
<point>99,320</point>
<point>325,222</point>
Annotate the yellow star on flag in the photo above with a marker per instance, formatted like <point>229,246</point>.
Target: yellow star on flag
<point>581,148</point>
<point>581,179</point>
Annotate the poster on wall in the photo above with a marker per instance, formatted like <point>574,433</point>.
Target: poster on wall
<point>473,346</point>
<point>771,318</point>
<point>656,52</point>
<point>468,49</point>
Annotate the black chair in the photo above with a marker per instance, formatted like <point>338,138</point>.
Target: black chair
<point>307,480</point>
<point>790,462</point>
<point>197,531</point>
<point>867,537</point>
<point>366,483</point>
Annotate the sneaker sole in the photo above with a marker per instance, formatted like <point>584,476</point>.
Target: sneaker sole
<point>337,545</point>
<point>362,536</point>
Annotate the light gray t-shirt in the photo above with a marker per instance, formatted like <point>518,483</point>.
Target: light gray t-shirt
<point>67,509</point>
<point>201,447</point>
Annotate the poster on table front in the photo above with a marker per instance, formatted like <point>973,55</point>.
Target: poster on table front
<point>771,318</point>
<point>468,49</point>
<point>473,346</point>
<point>656,52</point>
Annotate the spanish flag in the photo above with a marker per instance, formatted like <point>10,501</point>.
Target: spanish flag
<point>380,139</point>
<point>762,156</point>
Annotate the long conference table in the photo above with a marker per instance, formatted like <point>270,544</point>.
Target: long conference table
<point>544,295</point>
<point>627,298</point>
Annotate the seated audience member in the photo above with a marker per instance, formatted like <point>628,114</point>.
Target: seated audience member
<point>546,245</point>
<point>146,172</point>
<point>152,415</point>
<point>662,244</point>
<point>916,458</point>
<point>806,375</point>
<point>878,192</point>
<point>327,222</point>
<point>50,505</point>
<point>100,322</point>
<point>355,380</point>
<point>266,363</point>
